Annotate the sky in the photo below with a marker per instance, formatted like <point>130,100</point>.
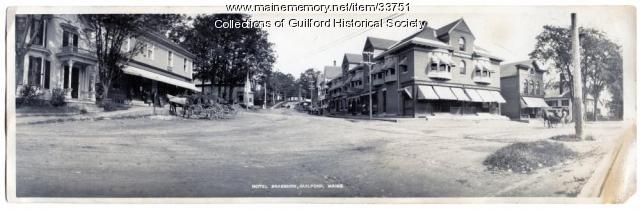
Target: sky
<point>507,32</point>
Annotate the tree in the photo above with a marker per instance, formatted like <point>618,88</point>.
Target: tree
<point>226,56</point>
<point>28,27</point>
<point>111,31</point>
<point>553,46</point>
<point>309,83</point>
<point>284,84</point>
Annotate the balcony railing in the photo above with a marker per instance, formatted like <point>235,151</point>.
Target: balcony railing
<point>442,75</point>
<point>482,79</point>
<point>378,81</point>
<point>74,50</point>
<point>390,78</point>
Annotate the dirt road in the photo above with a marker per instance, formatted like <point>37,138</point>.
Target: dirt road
<point>278,153</point>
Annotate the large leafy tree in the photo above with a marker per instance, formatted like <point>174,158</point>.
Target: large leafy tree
<point>599,64</point>
<point>111,31</point>
<point>309,83</point>
<point>227,56</point>
<point>283,84</point>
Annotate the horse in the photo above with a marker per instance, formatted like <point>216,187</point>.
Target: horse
<point>550,119</point>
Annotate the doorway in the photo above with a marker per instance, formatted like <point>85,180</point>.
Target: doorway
<point>75,82</point>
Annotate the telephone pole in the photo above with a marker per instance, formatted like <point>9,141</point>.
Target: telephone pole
<point>577,77</point>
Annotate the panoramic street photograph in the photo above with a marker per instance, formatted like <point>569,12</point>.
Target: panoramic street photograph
<point>452,102</point>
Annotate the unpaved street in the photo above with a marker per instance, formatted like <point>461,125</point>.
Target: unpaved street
<point>150,157</point>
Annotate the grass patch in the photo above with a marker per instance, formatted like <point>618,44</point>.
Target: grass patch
<point>524,157</point>
<point>571,138</point>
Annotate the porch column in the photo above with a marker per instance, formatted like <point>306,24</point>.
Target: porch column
<point>92,82</point>
<point>69,73</point>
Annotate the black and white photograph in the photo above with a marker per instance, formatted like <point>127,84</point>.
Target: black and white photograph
<point>357,102</point>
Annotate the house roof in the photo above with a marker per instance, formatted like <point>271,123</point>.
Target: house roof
<point>331,72</point>
<point>352,58</point>
<point>511,69</point>
<point>445,30</point>
<point>167,42</point>
<point>426,37</point>
<point>379,43</point>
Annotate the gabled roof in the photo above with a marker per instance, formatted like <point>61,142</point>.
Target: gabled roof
<point>331,72</point>
<point>426,36</point>
<point>379,43</point>
<point>460,23</point>
<point>510,69</point>
<point>352,58</point>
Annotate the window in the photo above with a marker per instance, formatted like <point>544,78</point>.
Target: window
<point>478,73</point>
<point>434,66</point>
<point>537,88</point>
<point>463,67</point>
<point>35,66</point>
<point>404,68</point>
<point>485,73</point>
<point>531,87</point>
<point>69,39</point>
<point>149,49</point>
<point>38,27</point>
<point>392,71</point>
<point>184,67</point>
<point>170,59</point>
<point>47,73</point>
<point>461,44</point>
<point>565,102</point>
<point>526,86</point>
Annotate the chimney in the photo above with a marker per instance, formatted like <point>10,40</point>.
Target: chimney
<point>334,62</point>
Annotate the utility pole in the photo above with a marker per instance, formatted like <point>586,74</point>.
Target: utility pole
<point>264,103</point>
<point>368,60</point>
<point>577,77</point>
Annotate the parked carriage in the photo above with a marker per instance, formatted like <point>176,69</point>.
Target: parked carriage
<point>201,107</point>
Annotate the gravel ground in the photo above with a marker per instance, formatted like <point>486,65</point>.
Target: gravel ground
<point>317,156</point>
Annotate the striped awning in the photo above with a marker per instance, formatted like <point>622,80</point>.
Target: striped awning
<point>460,94</point>
<point>444,93</point>
<point>407,90</point>
<point>473,95</point>
<point>534,102</point>
<point>426,92</point>
<point>487,96</point>
<point>498,97</point>
<point>161,78</point>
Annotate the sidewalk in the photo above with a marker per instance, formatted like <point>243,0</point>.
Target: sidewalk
<point>132,112</point>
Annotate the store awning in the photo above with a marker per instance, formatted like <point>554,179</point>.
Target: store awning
<point>460,94</point>
<point>427,92</point>
<point>407,90</point>
<point>444,93</point>
<point>161,78</point>
<point>487,96</point>
<point>473,95</point>
<point>498,96</point>
<point>533,102</point>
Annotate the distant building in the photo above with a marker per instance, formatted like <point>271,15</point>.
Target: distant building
<point>329,73</point>
<point>241,94</point>
<point>522,86</point>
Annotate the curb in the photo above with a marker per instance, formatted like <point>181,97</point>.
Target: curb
<point>593,186</point>
<point>378,119</point>
<point>95,118</point>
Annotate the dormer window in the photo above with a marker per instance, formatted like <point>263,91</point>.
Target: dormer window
<point>461,43</point>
